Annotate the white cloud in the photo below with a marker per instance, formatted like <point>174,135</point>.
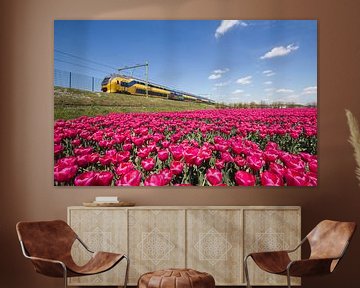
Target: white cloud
<point>268,82</point>
<point>219,71</point>
<point>284,90</point>
<point>214,76</point>
<point>244,80</point>
<point>237,91</point>
<point>269,73</point>
<point>310,90</point>
<point>269,89</point>
<point>226,25</point>
<point>221,84</point>
<point>279,51</point>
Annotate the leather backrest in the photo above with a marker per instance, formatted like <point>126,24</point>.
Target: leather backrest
<point>329,238</point>
<point>46,239</point>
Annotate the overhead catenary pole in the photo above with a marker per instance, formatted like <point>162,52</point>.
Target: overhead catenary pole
<point>146,65</point>
<point>147,78</point>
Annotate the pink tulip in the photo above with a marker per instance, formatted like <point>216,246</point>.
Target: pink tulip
<point>86,179</point>
<point>83,151</point>
<point>123,156</point>
<point>177,152</point>
<point>312,178</point>
<point>239,161</point>
<point>83,160</point>
<point>295,163</point>
<point>67,161</point>
<point>124,168</point>
<point>167,175</point>
<point>270,155</point>
<point>143,152</point>
<point>148,164</point>
<point>190,155</point>
<point>255,162</point>
<point>155,180</point>
<point>296,178</point>
<point>127,147</point>
<point>313,166</point>
<point>243,178</point>
<point>176,167</point>
<point>214,176</point>
<point>219,164</point>
<point>237,147</point>
<point>226,157</point>
<point>165,144</point>
<point>271,146</point>
<point>271,179</point>
<point>92,178</point>
<point>138,141</point>
<point>106,160</point>
<point>163,155</point>
<point>64,173</point>
<point>104,178</point>
<point>277,169</point>
<point>58,148</point>
<point>306,156</point>
<point>131,178</point>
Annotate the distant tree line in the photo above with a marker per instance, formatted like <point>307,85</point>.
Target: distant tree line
<point>263,104</point>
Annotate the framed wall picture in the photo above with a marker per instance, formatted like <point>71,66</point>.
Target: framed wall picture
<point>185,102</point>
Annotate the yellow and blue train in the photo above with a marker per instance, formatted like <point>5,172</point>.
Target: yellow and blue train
<point>133,86</point>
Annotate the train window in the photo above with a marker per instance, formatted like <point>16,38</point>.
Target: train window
<point>123,84</point>
<point>105,81</point>
<point>117,81</point>
<point>140,91</point>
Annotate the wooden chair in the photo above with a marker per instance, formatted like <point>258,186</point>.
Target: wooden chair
<point>328,242</point>
<point>48,245</point>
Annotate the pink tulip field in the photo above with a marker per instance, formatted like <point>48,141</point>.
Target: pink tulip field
<point>221,147</point>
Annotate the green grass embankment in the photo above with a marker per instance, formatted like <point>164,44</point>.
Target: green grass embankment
<point>72,103</point>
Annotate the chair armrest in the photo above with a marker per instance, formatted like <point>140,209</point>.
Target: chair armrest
<point>268,253</point>
<point>48,267</point>
<point>271,261</point>
<point>84,245</point>
<point>309,267</point>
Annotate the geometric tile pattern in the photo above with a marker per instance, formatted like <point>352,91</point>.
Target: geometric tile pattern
<point>156,246</point>
<point>269,240</point>
<point>213,246</point>
<point>214,243</point>
<point>156,241</point>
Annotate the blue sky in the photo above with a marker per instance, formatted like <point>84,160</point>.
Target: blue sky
<point>226,60</point>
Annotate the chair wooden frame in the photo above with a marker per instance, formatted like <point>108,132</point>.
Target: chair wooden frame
<point>58,268</point>
<point>314,265</point>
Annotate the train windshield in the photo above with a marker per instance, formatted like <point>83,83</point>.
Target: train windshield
<point>105,81</point>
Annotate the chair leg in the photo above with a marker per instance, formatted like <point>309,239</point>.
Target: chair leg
<point>65,276</point>
<point>246,270</point>
<point>288,278</point>
<point>127,271</point>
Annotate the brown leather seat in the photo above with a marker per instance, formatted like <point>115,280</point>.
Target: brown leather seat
<point>48,245</point>
<point>328,242</point>
<point>176,278</point>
